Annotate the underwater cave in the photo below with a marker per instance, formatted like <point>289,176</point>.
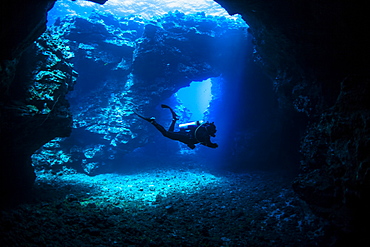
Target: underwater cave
<point>190,123</point>
<point>134,62</point>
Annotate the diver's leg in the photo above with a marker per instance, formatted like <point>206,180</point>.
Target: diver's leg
<point>184,138</point>
<point>160,128</point>
<point>174,135</point>
<point>174,118</point>
<point>172,126</point>
<point>174,115</point>
<point>150,120</point>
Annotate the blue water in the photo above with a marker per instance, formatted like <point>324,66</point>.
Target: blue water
<point>196,98</point>
<point>219,99</point>
<point>145,8</point>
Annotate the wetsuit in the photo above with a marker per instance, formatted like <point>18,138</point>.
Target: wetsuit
<point>196,134</point>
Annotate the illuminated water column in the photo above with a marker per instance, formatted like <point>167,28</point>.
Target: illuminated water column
<point>196,98</point>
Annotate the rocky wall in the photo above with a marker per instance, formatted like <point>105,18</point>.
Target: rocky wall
<point>35,111</point>
<point>315,52</point>
<point>21,25</point>
<point>128,64</point>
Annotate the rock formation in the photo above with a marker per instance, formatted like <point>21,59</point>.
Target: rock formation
<point>315,53</point>
<point>128,64</point>
<point>34,110</point>
<point>31,114</point>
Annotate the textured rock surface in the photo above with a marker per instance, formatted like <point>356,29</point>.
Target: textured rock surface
<point>316,53</point>
<point>37,107</point>
<point>163,208</point>
<point>17,32</point>
<point>335,178</point>
<point>144,8</point>
<point>21,24</point>
<point>126,64</point>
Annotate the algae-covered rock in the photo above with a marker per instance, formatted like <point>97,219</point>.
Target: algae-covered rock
<point>38,107</point>
<point>128,64</point>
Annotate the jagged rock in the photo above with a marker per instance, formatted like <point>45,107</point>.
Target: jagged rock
<point>138,63</point>
<point>38,106</point>
<point>307,47</point>
<point>21,24</point>
<point>319,70</point>
<point>335,148</point>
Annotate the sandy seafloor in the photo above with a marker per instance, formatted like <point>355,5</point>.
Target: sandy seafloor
<point>161,207</point>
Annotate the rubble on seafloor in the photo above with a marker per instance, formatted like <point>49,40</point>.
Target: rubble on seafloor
<point>187,207</point>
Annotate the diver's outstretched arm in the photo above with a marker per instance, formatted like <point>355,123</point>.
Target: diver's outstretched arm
<point>209,144</point>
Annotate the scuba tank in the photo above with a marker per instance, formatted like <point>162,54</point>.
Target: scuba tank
<point>191,125</point>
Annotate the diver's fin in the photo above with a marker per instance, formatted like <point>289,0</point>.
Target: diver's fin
<point>150,120</point>
<point>165,106</point>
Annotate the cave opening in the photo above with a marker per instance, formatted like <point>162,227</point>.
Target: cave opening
<point>116,166</point>
<point>165,193</point>
<point>122,68</point>
<point>196,98</point>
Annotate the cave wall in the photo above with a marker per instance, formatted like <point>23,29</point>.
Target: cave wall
<point>34,110</point>
<point>127,64</point>
<point>20,132</point>
<point>316,54</point>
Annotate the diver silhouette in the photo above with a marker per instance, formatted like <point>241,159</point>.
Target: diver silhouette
<point>190,134</point>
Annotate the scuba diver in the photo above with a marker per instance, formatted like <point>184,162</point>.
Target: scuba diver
<point>190,133</point>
